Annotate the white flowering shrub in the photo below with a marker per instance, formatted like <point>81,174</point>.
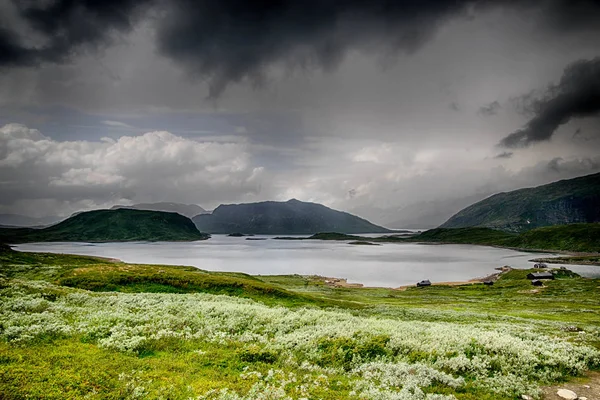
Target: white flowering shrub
<point>384,358</point>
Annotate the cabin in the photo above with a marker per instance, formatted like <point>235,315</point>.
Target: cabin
<point>540,275</point>
<point>536,282</point>
<point>540,265</point>
<point>426,282</point>
<point>488,283</point>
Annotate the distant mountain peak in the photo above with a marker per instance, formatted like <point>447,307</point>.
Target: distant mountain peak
<point>289,217</point>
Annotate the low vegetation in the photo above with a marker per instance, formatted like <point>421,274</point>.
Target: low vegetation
<point>75,327</point>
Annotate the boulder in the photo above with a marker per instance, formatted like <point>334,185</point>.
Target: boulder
<point>566,394</point>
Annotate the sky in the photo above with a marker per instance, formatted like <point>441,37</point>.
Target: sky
<point>376,107</point>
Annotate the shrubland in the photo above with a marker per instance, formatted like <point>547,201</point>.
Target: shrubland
<point>81,327</point>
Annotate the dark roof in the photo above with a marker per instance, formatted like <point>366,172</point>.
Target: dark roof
<point>535,282</point>
<point>540,275</point>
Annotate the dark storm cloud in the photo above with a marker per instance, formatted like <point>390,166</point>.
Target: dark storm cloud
<point>65,27</point>
<point>231,41</point>
<point>576,95</point>
<point>490,109</point>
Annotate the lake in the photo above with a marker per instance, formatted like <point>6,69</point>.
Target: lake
<point>387,265</point>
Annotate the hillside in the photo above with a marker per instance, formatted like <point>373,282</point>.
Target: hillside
<point>292,217</point>
<point>572,238</point>
<point>110,226</point>
<point>563,202</point>
<point>188,210</point>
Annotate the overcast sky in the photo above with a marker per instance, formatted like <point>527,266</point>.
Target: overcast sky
<point>359,105</point>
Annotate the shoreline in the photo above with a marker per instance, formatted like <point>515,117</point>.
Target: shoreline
<point>338,282</point>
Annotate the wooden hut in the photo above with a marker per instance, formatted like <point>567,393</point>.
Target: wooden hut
<point>540,275</point>
<point>537,282</point>
<point>488,283</point>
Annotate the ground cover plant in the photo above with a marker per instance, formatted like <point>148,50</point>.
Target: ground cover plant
<point>81,327</point>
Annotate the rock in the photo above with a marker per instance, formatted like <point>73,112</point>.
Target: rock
<point>526,397</point>
<point>566,394</point>
<point>586,386</point>
<point>582,398</point>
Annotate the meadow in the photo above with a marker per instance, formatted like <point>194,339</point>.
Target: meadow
<point>83,327</point>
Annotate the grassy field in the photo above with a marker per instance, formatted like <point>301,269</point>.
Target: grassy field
<point>83,327</point>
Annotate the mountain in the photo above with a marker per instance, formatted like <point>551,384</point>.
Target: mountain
<point>189,210</point>
<point>110,226</point>
<point>564,202</point>
<point>292,217</point>
<point>14,220</point>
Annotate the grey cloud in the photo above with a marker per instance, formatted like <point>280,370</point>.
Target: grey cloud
<point>576,95</point>
<point>506,154</point>
<point>454,106</point>
<point>490,109</point>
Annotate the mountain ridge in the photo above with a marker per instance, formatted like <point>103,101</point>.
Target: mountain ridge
<point>188,210</point>
<point>562,202</point>
<point>290,217</point>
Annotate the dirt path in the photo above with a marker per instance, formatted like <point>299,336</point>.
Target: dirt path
<point>588,386</point>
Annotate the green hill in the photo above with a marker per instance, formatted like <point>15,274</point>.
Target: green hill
<point>111,226</point>
<point>292,217</point>
<point>573,237</point>
<point>563,202</point>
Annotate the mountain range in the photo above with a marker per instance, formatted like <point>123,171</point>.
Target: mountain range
<point>189,210</point>
<point>292,217</point>
<point>564,202</point>
<point>14,220</point>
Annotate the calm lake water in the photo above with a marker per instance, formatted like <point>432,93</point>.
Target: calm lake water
<point>387,265</point>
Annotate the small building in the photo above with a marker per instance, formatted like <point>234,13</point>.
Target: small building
<point>540,265</point>
<point>537,282</point>
<point>488,283</point>
<point>540,275</point>
<point>426,282</point>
